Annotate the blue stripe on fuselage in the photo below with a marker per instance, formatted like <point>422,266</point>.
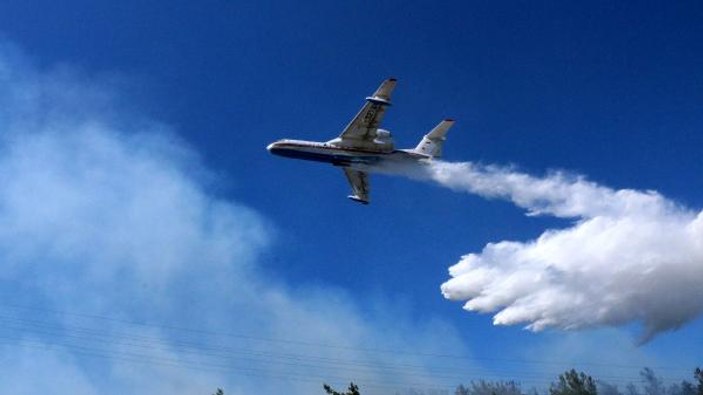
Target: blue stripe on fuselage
<point>342,160</point>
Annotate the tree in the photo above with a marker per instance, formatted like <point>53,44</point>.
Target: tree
<point>698,375</point>
<point>652,384</point>
<point>687,388</point>
<point>483,387</point>
<point>353,390</point>
<point>572,383</point>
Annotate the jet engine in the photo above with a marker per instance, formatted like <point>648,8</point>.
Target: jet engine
<point>384,140</point>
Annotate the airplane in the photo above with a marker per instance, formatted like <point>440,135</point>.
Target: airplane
<point>363,147</point>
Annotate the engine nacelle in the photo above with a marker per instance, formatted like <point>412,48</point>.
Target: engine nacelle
<point>384,139</point>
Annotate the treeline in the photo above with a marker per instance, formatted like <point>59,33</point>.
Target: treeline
<point>580,383</point>
<point>570,382</point>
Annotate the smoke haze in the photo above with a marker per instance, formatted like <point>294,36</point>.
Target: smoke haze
<point>109,220</point>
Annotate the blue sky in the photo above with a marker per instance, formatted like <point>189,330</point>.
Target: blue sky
<point>139,190</point>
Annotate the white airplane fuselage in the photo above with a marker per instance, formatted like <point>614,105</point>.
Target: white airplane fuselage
<point>363,147</point>
<point>342,156</point>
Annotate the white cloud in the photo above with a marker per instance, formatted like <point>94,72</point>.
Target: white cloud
<point>26,364</point>
<point>630,255</point>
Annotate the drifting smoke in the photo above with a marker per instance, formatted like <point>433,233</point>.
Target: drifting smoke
<point>631,256</point>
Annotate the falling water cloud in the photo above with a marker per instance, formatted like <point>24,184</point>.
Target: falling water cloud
<point>630,256</point>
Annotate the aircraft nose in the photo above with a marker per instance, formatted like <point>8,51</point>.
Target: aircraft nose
<point>270,147</point>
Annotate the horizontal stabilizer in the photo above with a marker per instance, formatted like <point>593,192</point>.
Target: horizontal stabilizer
<point>431,144</point>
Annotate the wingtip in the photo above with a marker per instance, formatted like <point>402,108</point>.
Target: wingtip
<point>449,120</point>
<point>358,199</point>
<point>393,79</point>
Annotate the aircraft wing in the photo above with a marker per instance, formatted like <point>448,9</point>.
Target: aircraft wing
<point>359,182</point>
<point>365,124</point>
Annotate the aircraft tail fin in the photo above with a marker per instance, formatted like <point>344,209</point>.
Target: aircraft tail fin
<point>432,143</point>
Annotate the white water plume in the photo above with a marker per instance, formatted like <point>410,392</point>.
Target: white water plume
<point>630,256</point>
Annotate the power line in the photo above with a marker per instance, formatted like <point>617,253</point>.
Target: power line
<point>225,352</point>
<point>262,356</point>
<point>250,337</point>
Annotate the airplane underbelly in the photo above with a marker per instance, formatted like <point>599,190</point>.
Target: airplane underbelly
<point>335,157</point>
